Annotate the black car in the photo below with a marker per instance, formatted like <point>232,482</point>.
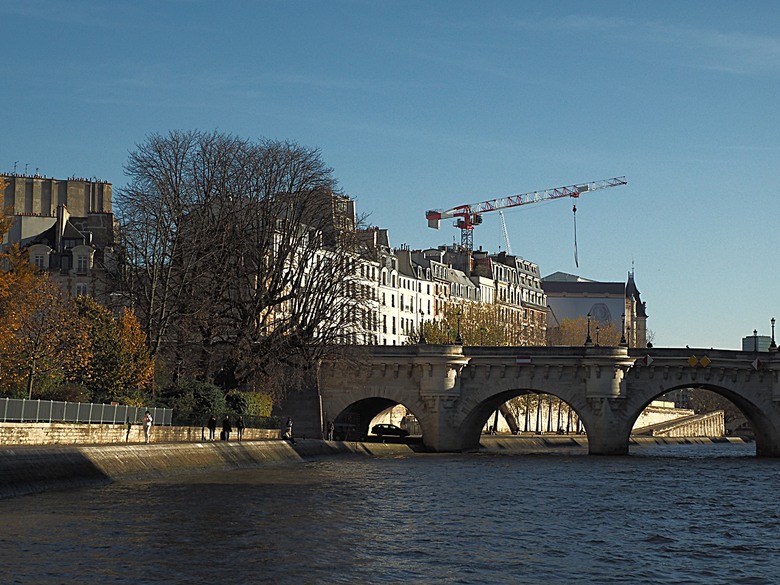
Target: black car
<point>385,429</point>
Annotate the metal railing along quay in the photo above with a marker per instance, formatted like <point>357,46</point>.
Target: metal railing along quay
<point>50,411</point>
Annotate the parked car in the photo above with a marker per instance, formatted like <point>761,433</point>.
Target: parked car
<point>386,429</point>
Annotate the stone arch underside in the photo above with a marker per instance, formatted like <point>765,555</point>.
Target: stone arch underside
<point>477,412</point>
<point>757,409</point>
<point>363,411</point>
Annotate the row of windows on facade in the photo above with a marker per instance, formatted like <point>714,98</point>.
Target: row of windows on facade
<point>513,297</point>
<point>82,262</point>
<point>530,287</point>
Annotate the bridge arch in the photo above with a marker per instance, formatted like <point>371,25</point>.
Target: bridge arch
<point>475,419</point>
<point>353,421</point>
<point>763,426</point>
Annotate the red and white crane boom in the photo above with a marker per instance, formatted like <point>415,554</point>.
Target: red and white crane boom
<point>470,215</point>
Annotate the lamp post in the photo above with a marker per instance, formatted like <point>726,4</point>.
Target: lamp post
<point>597,335</point>
<point>773,345</point>
<point>755,340</point>
<point>422,326</point>
<point>588,340</point>
<point>458,338</point>
<point>623,342</point>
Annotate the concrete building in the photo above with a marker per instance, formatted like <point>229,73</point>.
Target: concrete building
<point>67,226</point>
<point>571,297</point>
<point>756,343</point>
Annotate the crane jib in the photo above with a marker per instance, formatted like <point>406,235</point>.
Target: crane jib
<point>525,199</point>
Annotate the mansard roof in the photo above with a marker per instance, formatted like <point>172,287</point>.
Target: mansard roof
<point>561,283</point>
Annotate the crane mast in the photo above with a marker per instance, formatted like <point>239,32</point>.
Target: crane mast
<point>470,215</point>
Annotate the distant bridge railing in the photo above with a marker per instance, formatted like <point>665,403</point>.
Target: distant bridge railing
<point>23,410</point>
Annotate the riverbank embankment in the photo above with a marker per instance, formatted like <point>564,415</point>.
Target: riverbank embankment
<point>34,469</point>
<point>28,470</point>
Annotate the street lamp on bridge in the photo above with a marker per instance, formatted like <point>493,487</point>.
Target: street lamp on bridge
<point>623,342</point>
<point>773,345</point>
<point>588,340</point>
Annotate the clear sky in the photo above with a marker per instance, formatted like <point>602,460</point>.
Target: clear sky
<point>429,104</point>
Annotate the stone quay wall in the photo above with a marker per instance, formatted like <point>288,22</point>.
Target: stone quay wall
<point>28,470</point>
<point>103,434</point>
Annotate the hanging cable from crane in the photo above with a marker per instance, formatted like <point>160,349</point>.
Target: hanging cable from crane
<point>576,260</point>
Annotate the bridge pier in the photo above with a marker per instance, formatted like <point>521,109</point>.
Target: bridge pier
<point>440,393</point>
<point>608,432</point>
<point>604,417</point>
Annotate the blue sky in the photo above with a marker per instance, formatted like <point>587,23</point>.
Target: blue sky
<point>423,105</point>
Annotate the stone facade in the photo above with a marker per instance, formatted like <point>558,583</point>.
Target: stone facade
<point>67,227</point>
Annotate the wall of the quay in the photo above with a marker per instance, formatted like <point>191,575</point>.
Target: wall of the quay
<point>711,424</point>
<point>28,470</point>
<point>510,444</point>
<point>101,434</point>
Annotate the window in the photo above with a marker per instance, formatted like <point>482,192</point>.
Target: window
<point>81,289</point>
<point>38,261</point>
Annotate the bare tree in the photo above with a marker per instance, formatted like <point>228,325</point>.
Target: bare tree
<point>242,256</point>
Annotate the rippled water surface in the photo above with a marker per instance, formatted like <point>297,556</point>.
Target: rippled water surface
<point>676,514</point>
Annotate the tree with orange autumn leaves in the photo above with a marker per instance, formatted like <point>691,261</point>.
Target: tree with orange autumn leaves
<point>48,340</point>
<point>39,341</point>
<point>120,368</point>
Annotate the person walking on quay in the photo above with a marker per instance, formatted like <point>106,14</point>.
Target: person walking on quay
<point>240,427</point>
<point>226,428</point>
<point>288,432</point>
<point>147,426</point>
<point>212,425</point>
<point>331,429</point>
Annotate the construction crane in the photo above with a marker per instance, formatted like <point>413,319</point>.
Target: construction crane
<point>470,215</point>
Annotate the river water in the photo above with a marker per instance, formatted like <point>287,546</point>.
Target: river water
<point>672,514</point>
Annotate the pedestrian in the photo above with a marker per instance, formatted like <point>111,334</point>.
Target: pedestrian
<point>288,431</point>
<point>147,426</point>
<point>226,427</point>
<point>240,427</point>
<point>212,425</point>
<point>331,429</point>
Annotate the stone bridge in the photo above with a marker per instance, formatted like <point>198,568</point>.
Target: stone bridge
<point>452,389</point>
